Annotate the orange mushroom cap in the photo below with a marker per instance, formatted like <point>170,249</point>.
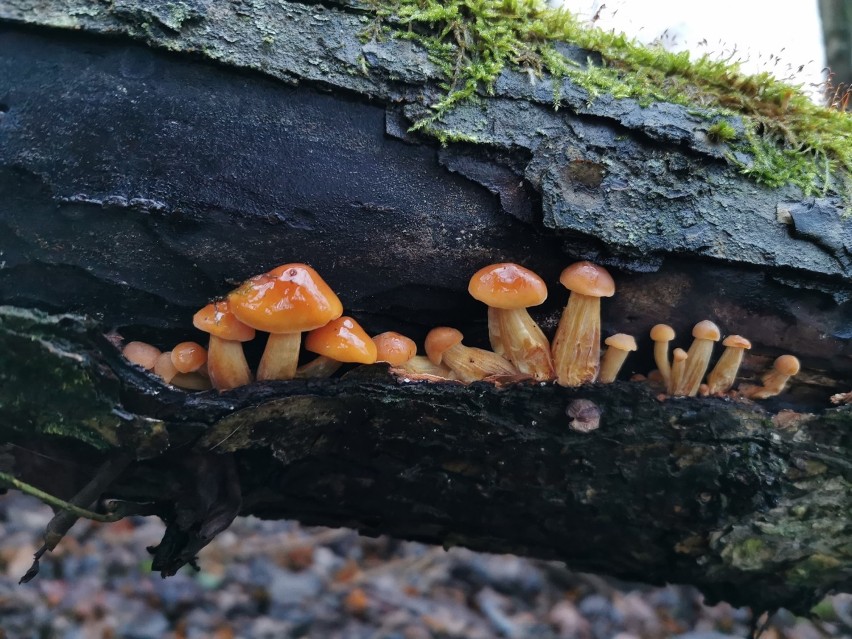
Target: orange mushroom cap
<point>705,329</point>
<point>589,279</point>
<point>188,357</point>
<point>787,365</point>
<point>217,319</point>
<point>291,298</point>
<point>440,339</point>
<point>621,341</point>
<point>507,285</point>
<point>736,341</point>
<point>662,333</point>
<point>142,354</point>
<point>342,340</point>
<point>394,348</point>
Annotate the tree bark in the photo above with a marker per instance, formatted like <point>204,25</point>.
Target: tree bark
<point>136,184</point>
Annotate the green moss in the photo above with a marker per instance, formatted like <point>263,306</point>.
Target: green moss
<point>789,138</point>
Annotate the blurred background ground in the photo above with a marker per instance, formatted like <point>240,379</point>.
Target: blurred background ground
<point>269,580</point>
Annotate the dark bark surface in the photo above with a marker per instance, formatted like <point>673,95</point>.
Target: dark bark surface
<point>137,184</point>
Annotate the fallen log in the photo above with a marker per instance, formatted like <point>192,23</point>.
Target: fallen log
<point>138,184</point>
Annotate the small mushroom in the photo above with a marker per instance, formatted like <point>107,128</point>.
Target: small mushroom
<point>618,346</point>
<point>188,357</point>
<point>142,354</point>
<point>226,362</point>
<point>443,346</point>
<point>775,380</point>
<point>509,289</point>
<point>340,341</point>
<point>705,334</point>
<point>662,334</point>
<point>724,374</point>
<point>284,302</point>
<point>577,343</point>
<point>394,348</point>
<point>679,357</point>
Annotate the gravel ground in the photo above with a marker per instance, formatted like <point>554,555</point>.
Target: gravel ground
<point>269,580</point>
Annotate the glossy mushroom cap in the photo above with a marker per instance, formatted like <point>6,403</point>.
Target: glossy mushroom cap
<point>394,348</point>
<point>439,340</point>
<point>787,365</point>
<point>590,279</point>
<point>291,298</point>
<point>662,333</point>
<point>621,341</point>
<point>188,357</point>
<point>736,341</point>
<point>342,340</point>
<point>706,329</point>
<point>508,286</point>
<point>218,320</point>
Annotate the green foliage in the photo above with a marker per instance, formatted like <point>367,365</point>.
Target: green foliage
<point>791,139</point>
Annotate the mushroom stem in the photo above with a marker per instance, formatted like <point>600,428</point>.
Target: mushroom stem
<point>191,381</point>
<point>612,361</point>
<point>472,364</point>
<point>577,343</point>
<point>618,346</point>
<point>723,375</point>
<point>227,364</point>
<point>280,357</point>
<point>318,368</point>
<point>679,358</point>
<point>662,335</point>
<point>420,365</point>
<point>521,341</point>
<point>495,332</point>
<point>698,358</point>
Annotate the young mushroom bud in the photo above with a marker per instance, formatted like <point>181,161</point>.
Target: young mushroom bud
<point>443,346</point>
<point>188,357</point>
<point>284,302</point>
<point>679,357</point>
<point>338,342</point>
<point>705,334</point>
<point>724,374</point>
<point>226,362</point>
<point>142,354</point>
<point>577,343</point>
<point>508,290</point>
<point>775,380</point>
<point>618,346</point>
<point>394,348</point>
<point>661,335</point>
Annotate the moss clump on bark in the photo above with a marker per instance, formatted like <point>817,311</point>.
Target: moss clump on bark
<point>788,138</point>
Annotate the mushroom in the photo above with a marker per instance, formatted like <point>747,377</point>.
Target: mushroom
<point>679,357</point>
<point>401,353</point>
<point>164,367</point>
<point>705,333</point>
<point>142,354</point>
<point>443,345</point>
<point>618,346</point>
<point>724,374</point>
<point>284,302</point>
<point>188,357</point>
<point>508,290</point>
<point>226,362</point>
<point>341,340</point>
<point>576,345</point>
<point>662,334</point>
<point>776,379</point>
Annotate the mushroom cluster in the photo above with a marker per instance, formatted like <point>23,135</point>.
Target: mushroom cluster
<point>293,299</point>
